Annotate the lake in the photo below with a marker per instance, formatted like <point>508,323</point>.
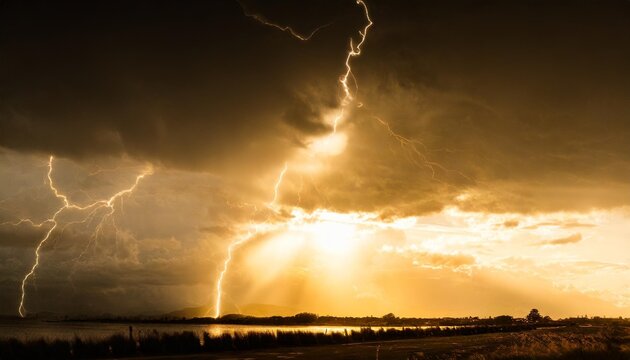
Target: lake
<point>30,329</point>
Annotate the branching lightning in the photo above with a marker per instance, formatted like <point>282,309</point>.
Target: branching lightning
<point>417,157</point>
<point>108,204</point>
<point>347,99</point>
<point>248,236</point>
<point>100,213</point>
<point>353,51</point>
<point>285,28</point>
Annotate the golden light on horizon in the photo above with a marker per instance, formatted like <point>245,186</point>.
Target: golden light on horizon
<point>335,250</point>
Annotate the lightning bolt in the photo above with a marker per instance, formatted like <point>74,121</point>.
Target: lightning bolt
<point>23,221</point>
<point>248,236</point>
<point>226,264</point>
<point>285,28</point>
<point>353,51</point>
<point>276,187</point>
<point>347,99</point>
<point>108,204</point>
<point>418,157</point>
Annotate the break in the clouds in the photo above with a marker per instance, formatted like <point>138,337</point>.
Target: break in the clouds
<point>487,142</point>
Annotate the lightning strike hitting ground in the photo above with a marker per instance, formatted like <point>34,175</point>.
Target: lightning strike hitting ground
<point>226,264</point>
<point>348,98</point>
<point>108,204</point>
<point>248,236</point>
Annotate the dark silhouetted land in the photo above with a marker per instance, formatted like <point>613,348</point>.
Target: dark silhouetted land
<point>387,337</point>
<point>478,342</point>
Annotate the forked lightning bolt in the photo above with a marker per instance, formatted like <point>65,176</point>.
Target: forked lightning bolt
<point>347,99</point>
<point>353,52</point>
<point>240,241</point>
<point>226,264</point>
<point>108,204</point>
<point>416,156</point>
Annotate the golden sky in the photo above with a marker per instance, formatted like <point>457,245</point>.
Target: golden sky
<point>474,161</point>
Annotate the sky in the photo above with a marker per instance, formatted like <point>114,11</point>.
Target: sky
<point>427,158</point>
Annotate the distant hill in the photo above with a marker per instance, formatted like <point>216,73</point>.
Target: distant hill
<point>190,312</point>
<point>261,310</point>
<point>265,310</point>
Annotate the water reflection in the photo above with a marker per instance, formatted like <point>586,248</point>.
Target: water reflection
<point>33,329</point>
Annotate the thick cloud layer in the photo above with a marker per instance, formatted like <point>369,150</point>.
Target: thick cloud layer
<point>522,106</point>
<point>528,100</point>
<point>194,86</point>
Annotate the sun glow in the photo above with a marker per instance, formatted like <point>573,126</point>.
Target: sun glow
<point>325,251</point>
<point>323,231</point>
<point>333,238</point>
<point>329,236</point>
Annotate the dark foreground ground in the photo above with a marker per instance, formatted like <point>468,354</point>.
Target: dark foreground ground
<point>557,343</point>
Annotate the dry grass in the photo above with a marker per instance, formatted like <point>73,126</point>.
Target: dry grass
<point>568,343</point>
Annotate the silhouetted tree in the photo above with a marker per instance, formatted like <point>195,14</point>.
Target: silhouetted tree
<point>534,316</point>
<point>305,318</point>
<point>503,319</point>
<point>389,318</point>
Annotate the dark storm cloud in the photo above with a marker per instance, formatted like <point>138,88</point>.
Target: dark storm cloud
<point>22,236</point>
<point>172,233</point>
<point>523,104</point>
<point>528,99</point>
<point>192,86</point>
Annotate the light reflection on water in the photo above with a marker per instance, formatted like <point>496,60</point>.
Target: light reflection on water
<point>33,329</point>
